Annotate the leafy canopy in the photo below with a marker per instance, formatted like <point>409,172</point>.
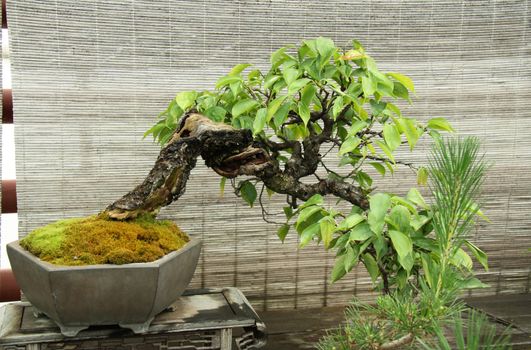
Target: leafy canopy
<point>318,93</point>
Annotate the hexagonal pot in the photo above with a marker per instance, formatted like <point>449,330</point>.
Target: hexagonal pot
<point>130,295</point>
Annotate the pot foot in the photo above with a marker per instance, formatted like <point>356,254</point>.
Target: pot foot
<point>69,331</point>
<point>36,312</point>
<point>138,328</point>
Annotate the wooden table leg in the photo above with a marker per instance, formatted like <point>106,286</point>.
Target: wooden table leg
<point>226,339</point>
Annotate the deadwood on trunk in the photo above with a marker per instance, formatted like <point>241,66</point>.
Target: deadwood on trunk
<point>229,152</point>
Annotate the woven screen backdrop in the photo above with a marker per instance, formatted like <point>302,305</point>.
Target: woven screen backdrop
<point>89,77</point>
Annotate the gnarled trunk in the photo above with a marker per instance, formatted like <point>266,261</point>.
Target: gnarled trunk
<point>166,182</point>
<point>229,152</point>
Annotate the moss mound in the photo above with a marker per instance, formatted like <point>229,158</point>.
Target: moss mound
<point>96,240</point>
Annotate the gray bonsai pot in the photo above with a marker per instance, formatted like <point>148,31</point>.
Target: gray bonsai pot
<point>130,295</point>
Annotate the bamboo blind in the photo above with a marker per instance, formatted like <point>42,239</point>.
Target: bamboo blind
<point>89,77</point>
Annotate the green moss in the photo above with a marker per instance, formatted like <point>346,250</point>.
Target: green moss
<point>96,240</point>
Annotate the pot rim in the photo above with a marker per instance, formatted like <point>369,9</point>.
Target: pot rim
<point>15,245</point>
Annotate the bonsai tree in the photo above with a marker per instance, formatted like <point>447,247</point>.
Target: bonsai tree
<point>273,130</point>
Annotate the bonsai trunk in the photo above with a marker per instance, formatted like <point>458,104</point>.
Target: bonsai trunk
<point>166,182</point>
<point>229,152</point>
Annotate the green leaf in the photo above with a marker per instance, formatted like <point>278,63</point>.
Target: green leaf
<point>414,196</point>
<point>339,104</point>
<point>325,47</point>
<point>372,266</point>
<point>428,244</point>
<point>349,145</point>
<point>316,199</point>
<point>364,179</point>
<point>216,113</point>
<point>410,129</point>
<point>391,136</point>
<point>278,57</point>
<point>304,113</point>
<point>461,258</point>
<point>404,80</point>
<point>379,167</point>
<point>297,85</point>
<point>422,176</point>
<point>440,124</point>
<point>248,192</point>
<point>271,80</point>
<point>418,221</point>
<point>288,211</point>
<point>379,204</point>
<point>282,114</point>
<point>427,267</point>
<point>393,108</point>
<point>400,90</point>
<point>243,107</point>
<point>255,74</point>
<point>308,234</point>
<point>380,245</point>
<point>186,99</point>
<point>290,75</point>
<point>473,283</point>
<point>386,150</point>
<point>407,262</point>
<point>236,88</point>
<point>405,202</point>
<point>283,232</point>
<point>479,254</point>
<point>260,120</point>
<point>353,55</point>
<point>273,106</point>
<point>400,218</point>
<point>237,69</point>
<point>401,242</point>
<point>368,86</point>
<point>350,221</point>
<point>351,258</point>
<point>227,80</point>
<point>356,127</point>
<point>377,107</point>
<point>401,278</point>
<point>338,270</point>
<point>155,129</point>
<point>243,122</point>
<point>327,226</point>
<point>360,233</point>
<point>307,94</point>
<point>306,213</point>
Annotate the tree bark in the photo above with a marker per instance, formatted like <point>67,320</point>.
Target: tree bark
<point>166,182</point>
<point>230,153</point>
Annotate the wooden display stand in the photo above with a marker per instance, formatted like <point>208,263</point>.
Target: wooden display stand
<point>201,319</point>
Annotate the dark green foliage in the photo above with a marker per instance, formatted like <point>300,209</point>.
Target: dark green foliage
<point>402,315</point>
<point>419,310</point>
<point>472,331</point>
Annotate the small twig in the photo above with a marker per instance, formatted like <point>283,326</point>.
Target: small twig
<point>385,278</point>
<point>400,162</point>
<point>264,211</point>
<point>330,170</point>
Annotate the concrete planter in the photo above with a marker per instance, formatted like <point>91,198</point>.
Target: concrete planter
<point>130,295</point>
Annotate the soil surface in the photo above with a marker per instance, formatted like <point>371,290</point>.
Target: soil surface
<point>96,240</point>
